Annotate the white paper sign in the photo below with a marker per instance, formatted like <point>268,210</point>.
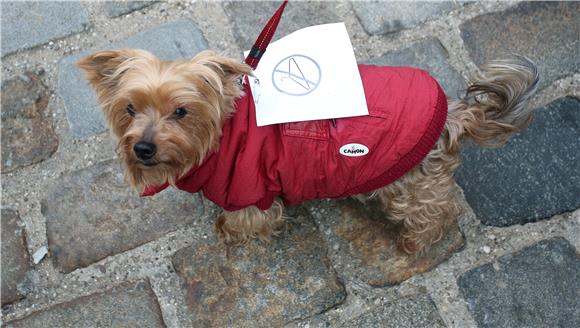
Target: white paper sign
<point>310,74</point>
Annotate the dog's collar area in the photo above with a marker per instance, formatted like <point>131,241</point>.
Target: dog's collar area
<point>242,80</point>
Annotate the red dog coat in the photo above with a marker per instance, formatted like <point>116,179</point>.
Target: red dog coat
<point>307,160</point>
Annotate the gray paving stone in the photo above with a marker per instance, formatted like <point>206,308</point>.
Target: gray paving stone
<point>93,213</point>
<point>249,18</point>
<point>430,56</point>
<point>546,32</point>
<point>535,287</point>
<point>27,133</point>
<point>414,312</point>
<point>26,24</point>
<point>180,39</point>
<point>129,305</point>
<point>118,8</point>
<point>380,17</point>
<point>535,176</point>
<point>260,284</point>
<point>15,260</point>
<point>364,243</point>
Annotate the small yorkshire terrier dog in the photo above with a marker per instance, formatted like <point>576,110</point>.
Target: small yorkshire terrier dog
<point>176,120</point>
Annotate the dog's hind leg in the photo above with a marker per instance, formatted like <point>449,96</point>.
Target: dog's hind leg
<point>238,227</point>
<point>423,199</point>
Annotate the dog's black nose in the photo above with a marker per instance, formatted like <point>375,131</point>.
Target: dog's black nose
<point>144,150</point>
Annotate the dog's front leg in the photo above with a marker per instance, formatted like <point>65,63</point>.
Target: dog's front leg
<point>249,223</point>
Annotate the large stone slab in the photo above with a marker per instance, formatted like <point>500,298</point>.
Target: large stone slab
<point>535,287</point>
<point>129,305</point>
<point>430,56</point>
<point>546,32</point>
<point>93,213</point>
<point>364,244</point>
<point>27,134</point>
<point>380,17</point>
<point>249,18</point>
<point>179,39</point>
<point>118,8</point>
<point>535,176</point>
<point>260,285</point>
<point>15,260</point>
<point>26,24</point>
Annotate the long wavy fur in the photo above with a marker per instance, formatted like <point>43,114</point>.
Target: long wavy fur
<point>495,104</point>
<point>493,109</point>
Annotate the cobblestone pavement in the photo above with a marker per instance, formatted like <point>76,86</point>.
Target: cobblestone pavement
<point>115,260</point>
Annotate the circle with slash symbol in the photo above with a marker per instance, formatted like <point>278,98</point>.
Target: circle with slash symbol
<point>296,75</point>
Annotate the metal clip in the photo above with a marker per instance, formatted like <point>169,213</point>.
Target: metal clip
<point>256,91</point>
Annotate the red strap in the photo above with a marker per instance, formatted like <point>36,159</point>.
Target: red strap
<point>265,37</point>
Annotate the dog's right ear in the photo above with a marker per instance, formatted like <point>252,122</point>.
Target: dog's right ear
<point>101,65</point>
<point>103,68</point>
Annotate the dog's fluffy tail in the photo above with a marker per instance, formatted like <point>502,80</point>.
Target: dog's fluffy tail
<point>494,107</point>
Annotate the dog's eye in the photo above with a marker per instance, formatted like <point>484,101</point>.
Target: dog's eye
<point>131,110</point>
<point>180,112</point>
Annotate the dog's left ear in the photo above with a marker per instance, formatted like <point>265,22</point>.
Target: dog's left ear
<point>225,67</point>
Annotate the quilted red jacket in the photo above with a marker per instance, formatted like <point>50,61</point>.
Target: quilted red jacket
<point>307,160</point>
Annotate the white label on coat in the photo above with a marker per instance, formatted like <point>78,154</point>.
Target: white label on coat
<point>354,150</point>
<point>310,74</point>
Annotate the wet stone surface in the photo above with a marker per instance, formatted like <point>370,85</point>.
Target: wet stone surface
<point>93,213</point>
<point>535,287</point>
<point>534,176</point>
<point>27,133</point>
<point>179,39</point>
<point>130,305</point>
<point>380,17</point>
<point>27,24</point>
<point>430,56</point>
<point>249,17</point>
<point>15,259</point>
<point>546,32</point>
<point>258,284</point>
<point>364,244</point>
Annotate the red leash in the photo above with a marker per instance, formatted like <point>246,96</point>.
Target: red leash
<point>265,37</point>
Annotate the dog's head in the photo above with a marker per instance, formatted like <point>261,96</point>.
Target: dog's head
<point>167,115</point>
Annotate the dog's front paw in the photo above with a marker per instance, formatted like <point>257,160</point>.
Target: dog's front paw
<point>227,235</point>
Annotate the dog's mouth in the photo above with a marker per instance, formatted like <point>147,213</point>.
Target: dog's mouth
<point>147,163</point>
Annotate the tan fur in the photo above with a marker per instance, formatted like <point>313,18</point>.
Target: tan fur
<point>206,86</point>
<point>423,199</point>
<point>240,226</point>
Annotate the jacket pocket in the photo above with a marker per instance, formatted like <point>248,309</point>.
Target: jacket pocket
<point>379,113</point>
<point>317,130</point>
<point>375,117</point>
